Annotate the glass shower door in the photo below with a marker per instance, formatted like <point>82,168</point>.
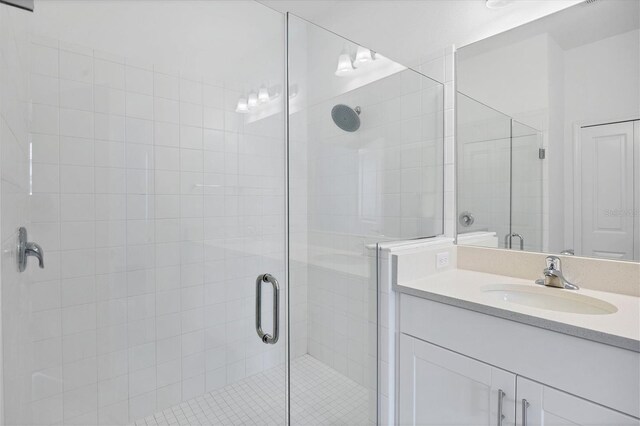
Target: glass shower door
<point>526,187</point>
<point>145,154</point>
<point>365,166</point>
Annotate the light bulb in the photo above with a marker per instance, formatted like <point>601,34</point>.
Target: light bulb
<point>253,100</point>
<point>242,106</point>
<point>363,56</point>
<point>345,66</point>
<point>263,95</point>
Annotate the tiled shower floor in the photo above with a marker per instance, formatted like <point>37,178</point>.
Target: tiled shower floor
<point>319,396</point>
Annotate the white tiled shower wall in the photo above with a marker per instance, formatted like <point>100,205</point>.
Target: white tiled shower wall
<point>156,213</point>
<point>14,154</point>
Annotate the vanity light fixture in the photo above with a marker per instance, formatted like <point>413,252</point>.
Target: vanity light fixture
<point>345,65</point>
<point>498,4</point>
<point>243,106</point>
<point>363,56</point>
<point>257,99</point>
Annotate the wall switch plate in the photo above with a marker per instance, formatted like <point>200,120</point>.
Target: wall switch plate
<point>442,259</point>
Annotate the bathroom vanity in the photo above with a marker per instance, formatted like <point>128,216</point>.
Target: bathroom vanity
<point>485,349</point>
<point>547,164</point>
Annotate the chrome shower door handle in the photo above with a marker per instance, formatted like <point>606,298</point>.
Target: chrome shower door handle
<point>508,240</point>
<point>521,240</point>
<point>26,249</point>
<point>501,416</point>
<point>265,337</point>
<point>525,405</point>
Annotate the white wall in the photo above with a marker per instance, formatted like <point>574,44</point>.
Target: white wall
<point>601,80</point>
<point>513,79</point>
<point>553,176</point>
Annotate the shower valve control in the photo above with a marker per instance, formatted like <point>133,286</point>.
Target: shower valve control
<point>26,249</point>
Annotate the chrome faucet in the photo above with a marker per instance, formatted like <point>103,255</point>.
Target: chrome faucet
<point>553,276</point>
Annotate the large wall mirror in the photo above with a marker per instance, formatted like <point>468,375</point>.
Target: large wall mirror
<point>548,134</point>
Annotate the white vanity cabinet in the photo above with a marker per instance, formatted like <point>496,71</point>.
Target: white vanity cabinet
<point>540,405</point>
<point>439,387</point>
<point>453,363</point>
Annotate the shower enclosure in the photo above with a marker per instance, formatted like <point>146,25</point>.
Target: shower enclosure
<point>208,231</point>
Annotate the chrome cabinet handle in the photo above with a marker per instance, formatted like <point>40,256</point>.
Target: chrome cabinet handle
<point>501,395</point>
<point>26,249</point>
<point>267,338</point>
<point>525,405</point>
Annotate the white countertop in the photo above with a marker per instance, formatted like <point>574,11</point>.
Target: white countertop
<point>464,288</point>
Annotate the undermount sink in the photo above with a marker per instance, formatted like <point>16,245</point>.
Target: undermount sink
<point>549,298</point>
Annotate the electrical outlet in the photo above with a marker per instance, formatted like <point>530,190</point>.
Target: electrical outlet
<point>442,259</point>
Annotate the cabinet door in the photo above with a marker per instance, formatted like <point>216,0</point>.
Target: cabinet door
<point>540,405</point>
<point>440,387</point>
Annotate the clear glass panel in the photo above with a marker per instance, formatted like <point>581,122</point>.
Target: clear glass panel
<point>157,200</point>
<point>366,164</point>
<point>526,186</point>
<point>484,167</point>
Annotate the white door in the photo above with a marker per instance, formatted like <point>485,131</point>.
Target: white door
<point>440,387</point>
<point>606,175</point>
<point>539,405</point>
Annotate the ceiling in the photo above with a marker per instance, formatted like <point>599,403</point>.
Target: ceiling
<point>409,30</point>
<point>603,19</point>
<point>240,42</point>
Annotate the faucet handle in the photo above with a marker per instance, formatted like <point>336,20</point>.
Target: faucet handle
<point>33,249</point>
<point>26,249</point>
<point>553,263</point>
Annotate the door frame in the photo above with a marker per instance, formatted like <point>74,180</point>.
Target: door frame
<point>577,183</point>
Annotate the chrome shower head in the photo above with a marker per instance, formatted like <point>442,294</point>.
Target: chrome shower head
<point>345,117</point>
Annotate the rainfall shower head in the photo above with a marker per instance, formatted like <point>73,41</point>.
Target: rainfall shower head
<point>345,117</point>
